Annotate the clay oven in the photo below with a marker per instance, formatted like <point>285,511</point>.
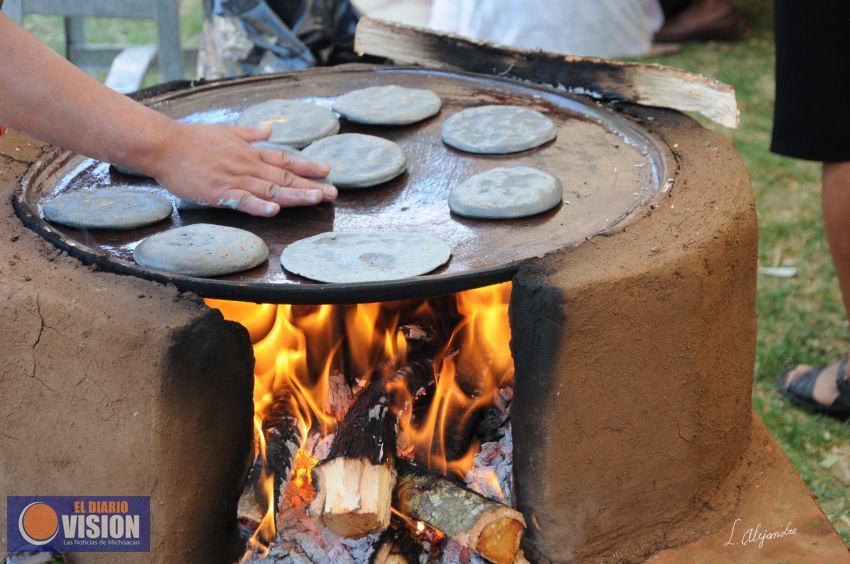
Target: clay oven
<point>631,315</point>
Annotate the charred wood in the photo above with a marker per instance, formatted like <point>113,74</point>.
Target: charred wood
<point>354,484</point>
<point>283,439</point>
<point>606,80</point>
<point>397,546</point>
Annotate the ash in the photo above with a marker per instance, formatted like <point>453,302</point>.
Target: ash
<point>492,469</point>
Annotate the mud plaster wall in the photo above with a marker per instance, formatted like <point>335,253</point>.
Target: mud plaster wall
<point>112,385</point>
<point>634,358</point>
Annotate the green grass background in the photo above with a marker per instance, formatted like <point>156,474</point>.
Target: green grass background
<point>801,319</point>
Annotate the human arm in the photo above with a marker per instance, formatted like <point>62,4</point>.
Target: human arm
<point>45,96</point>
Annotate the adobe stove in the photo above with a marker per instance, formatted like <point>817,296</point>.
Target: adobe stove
<point>570,386</point>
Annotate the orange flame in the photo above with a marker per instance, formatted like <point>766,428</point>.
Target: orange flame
<point>296,348</point>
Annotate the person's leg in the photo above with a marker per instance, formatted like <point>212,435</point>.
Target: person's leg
<point>702,19</point>
<point>836,211</point>
<point>836,219</point>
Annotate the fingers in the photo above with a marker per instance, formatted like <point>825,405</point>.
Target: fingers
<point>287,179</point>
<point>284,196</point>
<point>295,163</point>
<point>246,202</point>
<point>251,134</point>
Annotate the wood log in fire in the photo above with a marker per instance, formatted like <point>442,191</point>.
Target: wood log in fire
<point>354,483</point>
<point>283,439</point>
<point>488,527</point>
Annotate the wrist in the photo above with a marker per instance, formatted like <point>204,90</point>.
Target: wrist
<point>151,154</point>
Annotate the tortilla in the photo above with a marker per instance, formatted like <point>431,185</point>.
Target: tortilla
<point>358,161</point>
<point>388,105</point>
<point>506,192</point>
<point>107,208</point>
<point>202,249</point>
<point>293,122</point>
<point>346,258</point>
<point>496,130</point>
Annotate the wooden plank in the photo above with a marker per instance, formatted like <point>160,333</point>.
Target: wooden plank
<point>601,79</point>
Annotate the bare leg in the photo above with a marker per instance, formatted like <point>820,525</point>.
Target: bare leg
<point>836,211</point>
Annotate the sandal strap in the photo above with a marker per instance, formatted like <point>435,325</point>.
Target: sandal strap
<point>803,386</point>
<point>843,384</point>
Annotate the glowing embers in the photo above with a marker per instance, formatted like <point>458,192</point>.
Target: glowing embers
<point>445,370</point>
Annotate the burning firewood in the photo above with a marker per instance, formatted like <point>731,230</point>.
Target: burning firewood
<point>488,527</point>
<point>282,439</point>
<point>354,484</point>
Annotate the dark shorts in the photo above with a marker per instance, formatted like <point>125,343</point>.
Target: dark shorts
<point>812,116</point>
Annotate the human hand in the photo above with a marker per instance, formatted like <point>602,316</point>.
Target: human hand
<point>217,166</point>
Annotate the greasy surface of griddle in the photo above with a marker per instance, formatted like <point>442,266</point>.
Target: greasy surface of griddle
<point>610,169</point>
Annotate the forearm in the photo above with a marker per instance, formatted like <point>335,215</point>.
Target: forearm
<point>50,99</point>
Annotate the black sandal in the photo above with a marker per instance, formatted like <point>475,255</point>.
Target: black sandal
<point>801,389</point>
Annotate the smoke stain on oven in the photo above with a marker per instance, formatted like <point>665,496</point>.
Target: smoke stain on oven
<point>207,369</point>
<point>536,321</point>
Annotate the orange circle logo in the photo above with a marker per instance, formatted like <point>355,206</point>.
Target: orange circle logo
<point>38,523</point>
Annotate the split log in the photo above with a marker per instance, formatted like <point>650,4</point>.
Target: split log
<point>602,79</point>
<point>283,440</point>
<point>354,483</point>
<point>487,527</point>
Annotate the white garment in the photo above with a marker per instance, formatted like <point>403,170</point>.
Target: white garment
<point>599,28</point>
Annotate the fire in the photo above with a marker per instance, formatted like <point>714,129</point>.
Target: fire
<point>297,348</point>
<point>302,469</point>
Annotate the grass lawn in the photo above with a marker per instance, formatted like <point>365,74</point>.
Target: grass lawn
<point>801,319</point>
